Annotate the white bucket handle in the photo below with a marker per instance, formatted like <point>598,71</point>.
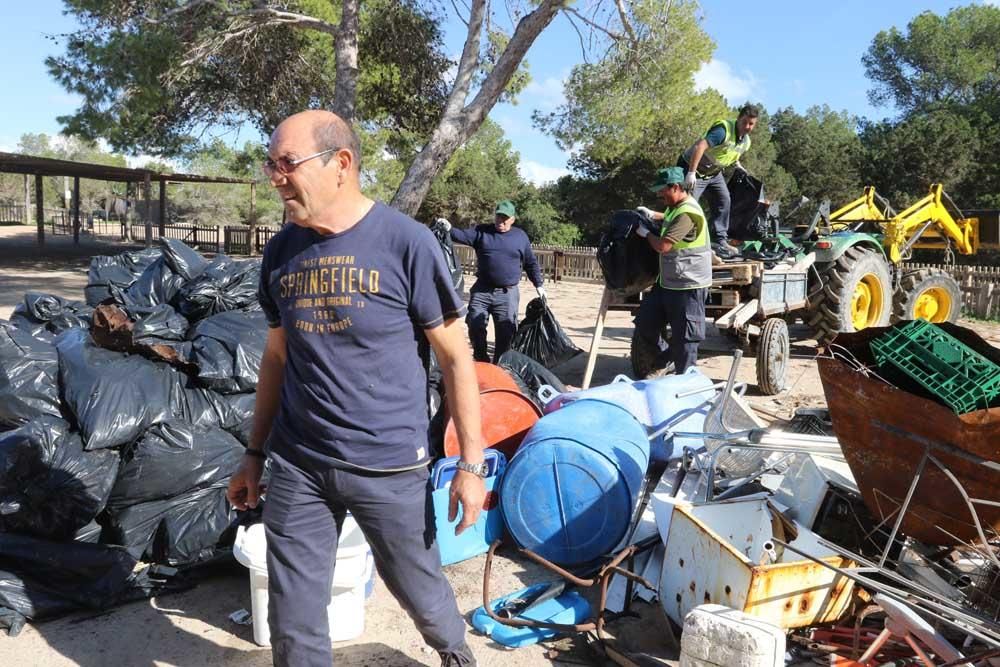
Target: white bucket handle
<point>546,393</point>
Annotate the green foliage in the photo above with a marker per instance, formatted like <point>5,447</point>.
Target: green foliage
<point>153,86</point>
<point>821,151</point>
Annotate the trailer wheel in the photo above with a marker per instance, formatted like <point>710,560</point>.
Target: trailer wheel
<point>773,349</point>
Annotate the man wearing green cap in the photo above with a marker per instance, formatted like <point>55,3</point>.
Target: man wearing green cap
<point>502,250</point>
<point>678,297</point>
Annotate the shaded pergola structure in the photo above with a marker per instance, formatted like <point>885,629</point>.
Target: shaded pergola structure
<point>39,167</point>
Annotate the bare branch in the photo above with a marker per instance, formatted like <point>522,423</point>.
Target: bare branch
<point>626,24</point>
<point>583,46</point>
<point>262,16</point>
<point>617,36</point>
<point>459,13</point>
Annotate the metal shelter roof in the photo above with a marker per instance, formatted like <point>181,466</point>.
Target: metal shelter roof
<point>15,163</point>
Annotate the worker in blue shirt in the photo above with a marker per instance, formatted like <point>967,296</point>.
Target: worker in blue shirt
<point>502,250</point>
<point>351,290</point>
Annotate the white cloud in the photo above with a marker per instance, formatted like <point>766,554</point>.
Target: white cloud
<point>540,174</point>
<point>736,87</point>
<point>545,95</point>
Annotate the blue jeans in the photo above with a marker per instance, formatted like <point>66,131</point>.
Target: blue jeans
<point>499,302</point>
<point>716,193</point>
<point>302,518</point>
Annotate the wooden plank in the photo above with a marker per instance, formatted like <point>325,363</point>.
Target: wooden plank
<point>738,316</point>
<point>595,341</point>
<point>39,210</point>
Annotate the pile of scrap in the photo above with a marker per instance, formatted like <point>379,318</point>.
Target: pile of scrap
<point>121,420</point>
<point>857,537</point>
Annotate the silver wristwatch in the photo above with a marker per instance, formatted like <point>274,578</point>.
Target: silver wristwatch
<point>475,468</point>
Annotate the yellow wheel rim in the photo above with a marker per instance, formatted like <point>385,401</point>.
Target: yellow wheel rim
<point>933,305</point>
<point>867,302</point>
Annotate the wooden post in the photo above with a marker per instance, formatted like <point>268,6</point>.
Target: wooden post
<point>163,205</point>
<point>26,220</point>
<point>559,262</point>
<point>595,342</point>
<point>148,217</point>
<point>39,210</point>
<point>76,210</point>
<point>252,240</point>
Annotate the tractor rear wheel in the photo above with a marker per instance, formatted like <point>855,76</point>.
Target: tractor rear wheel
<point>930,294</point>
<point>856,294</point>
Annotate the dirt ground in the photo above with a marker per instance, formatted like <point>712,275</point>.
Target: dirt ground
<point>193,629</point>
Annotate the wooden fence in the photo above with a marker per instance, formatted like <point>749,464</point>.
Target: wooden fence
<point>12,213</point>
<point>570,264</point>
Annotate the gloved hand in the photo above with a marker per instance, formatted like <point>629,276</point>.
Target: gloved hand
<point>739,165</point>
<point>541,291</point>
<point>645,212</point>
<point>443,222</point>
<point>642,231</point>
<point>689,181</point>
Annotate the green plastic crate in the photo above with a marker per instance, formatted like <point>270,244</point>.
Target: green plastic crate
<point>961,377</point>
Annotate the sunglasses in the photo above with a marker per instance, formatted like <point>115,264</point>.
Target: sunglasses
<point>284,166</point>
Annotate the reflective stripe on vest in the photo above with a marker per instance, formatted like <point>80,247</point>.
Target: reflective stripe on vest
<point>688,265</point>
<point>729,151</point>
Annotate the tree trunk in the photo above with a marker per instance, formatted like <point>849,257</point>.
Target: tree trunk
<point>346,49</point>
<point>458,124</point>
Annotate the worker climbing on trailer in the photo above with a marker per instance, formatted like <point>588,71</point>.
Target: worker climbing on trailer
<point>678,297</point>
<point>722,146</point>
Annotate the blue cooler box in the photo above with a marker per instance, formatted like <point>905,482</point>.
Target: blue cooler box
<point>476,539</point>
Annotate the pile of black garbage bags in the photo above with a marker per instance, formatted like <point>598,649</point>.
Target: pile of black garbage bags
<point>122,419</point>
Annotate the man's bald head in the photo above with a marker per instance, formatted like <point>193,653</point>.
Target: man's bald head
<point>327,129</point>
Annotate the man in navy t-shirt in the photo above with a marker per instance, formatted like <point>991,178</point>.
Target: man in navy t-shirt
<point>351,291</point>
<point>501,251</point>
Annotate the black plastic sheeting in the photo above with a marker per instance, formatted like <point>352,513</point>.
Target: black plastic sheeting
<point>46,315</point>
<point>112,274</point>
<point>227,349</point>
<point>183,259</point>
<point>627,261</point>
<point>225,284</point>
<point>156,324</point>
<point>29,377</point>
<point>49,486</point>
<point>171,459</point>
<point>747,213</point>
<point>451,259</point>
<point>192,528</point>
<point>158,284</point>
<point>40,579</point>
<point>114,397</point>
<point>540,337</point>
<point>529,375</point>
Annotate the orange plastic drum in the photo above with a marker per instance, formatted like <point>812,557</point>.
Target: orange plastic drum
<point>507,416</point>
<point>494,377</point>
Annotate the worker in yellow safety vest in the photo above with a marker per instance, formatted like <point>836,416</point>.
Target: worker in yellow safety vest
<point>678,297</point>
<point>722,146</point>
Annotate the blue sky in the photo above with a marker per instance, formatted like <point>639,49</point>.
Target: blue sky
<point>781,53</point>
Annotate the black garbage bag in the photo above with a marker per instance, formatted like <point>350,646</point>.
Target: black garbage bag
<point>29,377</point>
<point>236,414</point>
<point>40,579</point>
<point>90,533</point>
<point>540,337</point>
<point>451,259</point>
<point>172,458</point>
<point>158,284</point>
<point>118,272</point>
<point>182,259</point>
<point>747,211</point>
<point>227,349</point>
<point>156,324</point>
<point>226,284</point>
<point>40,313</point>
<point>114,397</point>
<point>529,375</point>
<point>49,486</point>
<point>194,527</point>
<point>627,261</point>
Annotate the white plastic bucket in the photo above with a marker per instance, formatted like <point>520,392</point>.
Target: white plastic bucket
<point>351,578</point>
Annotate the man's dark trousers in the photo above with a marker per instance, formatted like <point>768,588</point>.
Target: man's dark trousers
<point>302,518</point>
<point>499,302</point>
<point>684,311</point>
<point>716,193</point>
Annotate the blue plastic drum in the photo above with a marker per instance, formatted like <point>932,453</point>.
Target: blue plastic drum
<point>569,492</point>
